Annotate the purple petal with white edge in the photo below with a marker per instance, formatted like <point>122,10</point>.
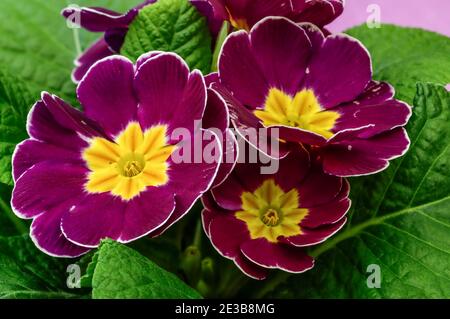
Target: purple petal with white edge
<point>95,217</point>
<point>365,156</point>
<point>239,71</point>
<point>189,179</point>
<point>206,9</point>
<point>41,125</point>
<point>329,213</point>
<point>207,217</point>
<point>96,52</point>
<point>227,234</point>
<point>46,233</point>
<point>115,38</point>
<point>249,268</point>
<point>216,113</point>
<point>230,156</point>
<point>384,117</point>
<point>107,94</point>
<point>318,188</point>
<point>282,50</point>
<point>270,255</point>
<point>99,19</point>
<point>70,118</point>
<point>340,71</point>
<point>31,152</point>
<point>315,35</point>
<point>168,93</point>
<point>320,13</point>
<point>257,10</point>
<point>310,237</point>
<point>45,186</point>
<point>249,126</point>
<point>211,78</point>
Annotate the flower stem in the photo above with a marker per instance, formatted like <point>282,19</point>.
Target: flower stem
<point>220,40</point>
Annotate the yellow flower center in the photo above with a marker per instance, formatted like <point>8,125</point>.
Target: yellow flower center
<point>301,111</point>
<point>134,161</point>
<point>269,212</point>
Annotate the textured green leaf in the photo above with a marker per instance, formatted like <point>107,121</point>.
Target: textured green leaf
<point>400,220</point>
<point>121,272</point>
<point>15,101</point>
<point>406,56</point>
<point>37,46</point>
<point>25,272</point>
<point>173,26</point>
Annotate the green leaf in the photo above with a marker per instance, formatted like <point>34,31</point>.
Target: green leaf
<point>15,101</point>
<point>172,26</point>
<point>121,272</point>
<point>37,46</point>
<point>25,272</point>
<point>400,220</point>
<point>406,56</point>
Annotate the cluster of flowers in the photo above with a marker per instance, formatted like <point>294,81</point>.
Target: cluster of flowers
<point>109,171</point>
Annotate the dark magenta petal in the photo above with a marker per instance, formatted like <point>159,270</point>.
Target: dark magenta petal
<point>168,93</point>
<point>70,118</point>
<point>297,135</point>
<point>320,13</point>
<point>383,117</point>
<point>318,188</point>
<point>101,216</point>
<point>270,255</point>
<point>340,71</point>
<point>250,268</point>
<point>46,233</point>
<point>258,10</point>
<point>214,18</point>
<point>240,72</point>
<point>99,19</point>
<point>326,214</point>
<point>96,52</point>
<point>227,234</point>
<point>365,156</point>
<point>45,186</point>
<point>189,180</point>
<point>115,38</point>
<point>285,59</point>
<point>31,152</point>
<point>211,78</point>
<point>315,236</point>
<point>107,94</point>
<point>216,118</point>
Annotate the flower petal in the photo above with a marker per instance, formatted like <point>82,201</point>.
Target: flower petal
<point>94,53</point>
<point>340,71</point>
<point>239,71</point>
<point>282,50</point>
<point>107,94</point>
<point>168,93</point>
<point>315,236</point>
<point>45,186</point>
<point>270,255</point>
<point>365,156</point>
<point>46,233</point>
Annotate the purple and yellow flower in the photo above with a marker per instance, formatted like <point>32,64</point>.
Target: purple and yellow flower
<point>110,172</point>
<point>115,26</point>
<point>265,221</point>
<point>313,90</point>
<point>244,14</point>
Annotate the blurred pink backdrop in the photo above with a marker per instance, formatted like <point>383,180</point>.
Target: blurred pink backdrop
<point>432,15</point>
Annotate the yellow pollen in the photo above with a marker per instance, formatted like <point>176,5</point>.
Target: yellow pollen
<point>270,218</point>
<point>270,212</point>
<point>128,165</point>
<point>301,111</point>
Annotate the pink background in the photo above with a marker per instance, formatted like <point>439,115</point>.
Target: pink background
<point>433,15</point>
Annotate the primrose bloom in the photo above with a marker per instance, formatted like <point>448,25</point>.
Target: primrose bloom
<point>263,221</point>
<point>114,25</point>
<point>313,90</point>
<point>114,171</point>
<point>244,14</point>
